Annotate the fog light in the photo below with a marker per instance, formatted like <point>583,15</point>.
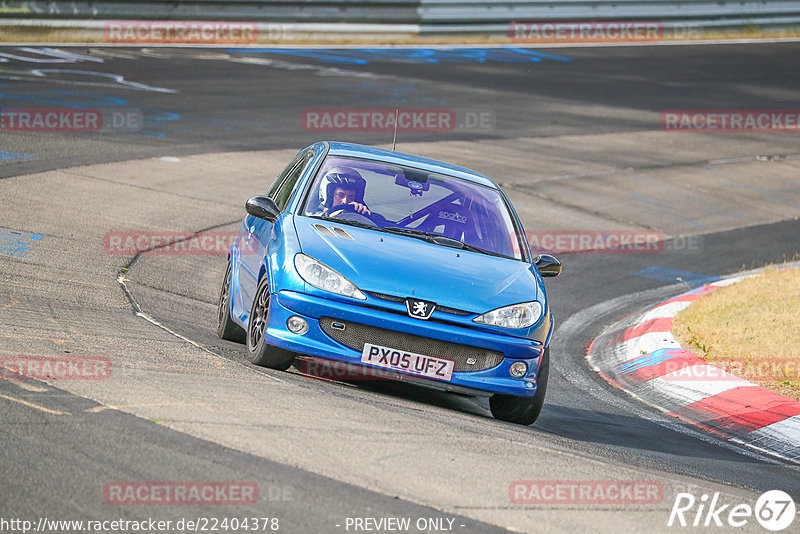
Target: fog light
<point>298,325</point>
<point>518,369</point>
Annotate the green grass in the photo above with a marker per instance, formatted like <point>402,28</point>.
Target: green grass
<point>750,329</point>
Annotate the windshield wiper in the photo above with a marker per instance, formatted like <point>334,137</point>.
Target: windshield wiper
<point>347,222</point>
<point>439,239</point>
<point>412,231</point>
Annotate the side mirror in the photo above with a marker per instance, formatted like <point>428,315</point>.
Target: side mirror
<point>547,265</point>
<point>263,208</point>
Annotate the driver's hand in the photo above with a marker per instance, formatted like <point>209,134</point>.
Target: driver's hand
<point>361,208</point>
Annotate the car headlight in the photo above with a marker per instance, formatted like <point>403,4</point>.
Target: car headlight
<point>515,316</point>
<point>323,277</point>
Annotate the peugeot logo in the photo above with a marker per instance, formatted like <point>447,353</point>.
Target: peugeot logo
<point>420,309</point>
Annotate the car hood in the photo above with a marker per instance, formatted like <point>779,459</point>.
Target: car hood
<point>404,266</point>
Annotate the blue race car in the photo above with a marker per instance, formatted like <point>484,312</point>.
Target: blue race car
<point>394,263</point>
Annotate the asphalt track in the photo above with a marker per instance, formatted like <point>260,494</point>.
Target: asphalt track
<point>574,137</point>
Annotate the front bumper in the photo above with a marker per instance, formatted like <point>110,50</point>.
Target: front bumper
<point>316,342</point>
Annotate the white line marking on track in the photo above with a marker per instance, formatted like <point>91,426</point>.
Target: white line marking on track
<point>34,406</point>
<point>139,313</point>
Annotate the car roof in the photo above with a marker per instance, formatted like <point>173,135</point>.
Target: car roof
<point>337,148</point>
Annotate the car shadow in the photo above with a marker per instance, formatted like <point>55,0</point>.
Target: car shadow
<point>626,432</point>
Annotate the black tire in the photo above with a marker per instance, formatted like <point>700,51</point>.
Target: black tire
<point>258,351</point>
<point>226,328</point>
<point>523,410</point>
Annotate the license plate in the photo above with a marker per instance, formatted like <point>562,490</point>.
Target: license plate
<point>400,360</point>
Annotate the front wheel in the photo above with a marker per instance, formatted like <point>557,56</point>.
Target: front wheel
<point>258,351</point>
<point>523,410</point>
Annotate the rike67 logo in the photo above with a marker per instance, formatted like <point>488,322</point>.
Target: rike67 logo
<point>774,510</point>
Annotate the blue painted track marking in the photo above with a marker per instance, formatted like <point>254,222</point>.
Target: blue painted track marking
<point>81,100</point>
<point>646,360</point>
<point>14,155</point>
<point>363,56</point>
<point>67,99</point>
<point>542,55</point>
<point>666,274</point>
<point>17,244</point>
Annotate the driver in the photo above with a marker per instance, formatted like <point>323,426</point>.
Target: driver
<point>340,187</point>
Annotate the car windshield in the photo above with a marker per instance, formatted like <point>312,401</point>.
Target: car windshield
<point>436,207</point>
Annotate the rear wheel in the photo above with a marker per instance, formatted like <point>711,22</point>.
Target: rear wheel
<point>523,410</point>
<point>226,328</point>
<point>258,351</point>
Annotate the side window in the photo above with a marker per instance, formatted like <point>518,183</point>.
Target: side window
<point>276,184</point>
<point>281,189</point>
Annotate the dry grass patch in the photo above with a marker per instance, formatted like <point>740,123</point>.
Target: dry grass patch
<point>750,329</point>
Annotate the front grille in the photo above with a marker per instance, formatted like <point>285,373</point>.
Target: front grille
<point>355,335</point>
<point>383,296</point>
<point>401,300</point>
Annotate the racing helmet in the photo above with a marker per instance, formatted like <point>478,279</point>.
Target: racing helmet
<point>344,177</point>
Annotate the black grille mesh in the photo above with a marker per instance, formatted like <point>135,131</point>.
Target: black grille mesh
<point>383,296</point>
<point>355,335</point>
